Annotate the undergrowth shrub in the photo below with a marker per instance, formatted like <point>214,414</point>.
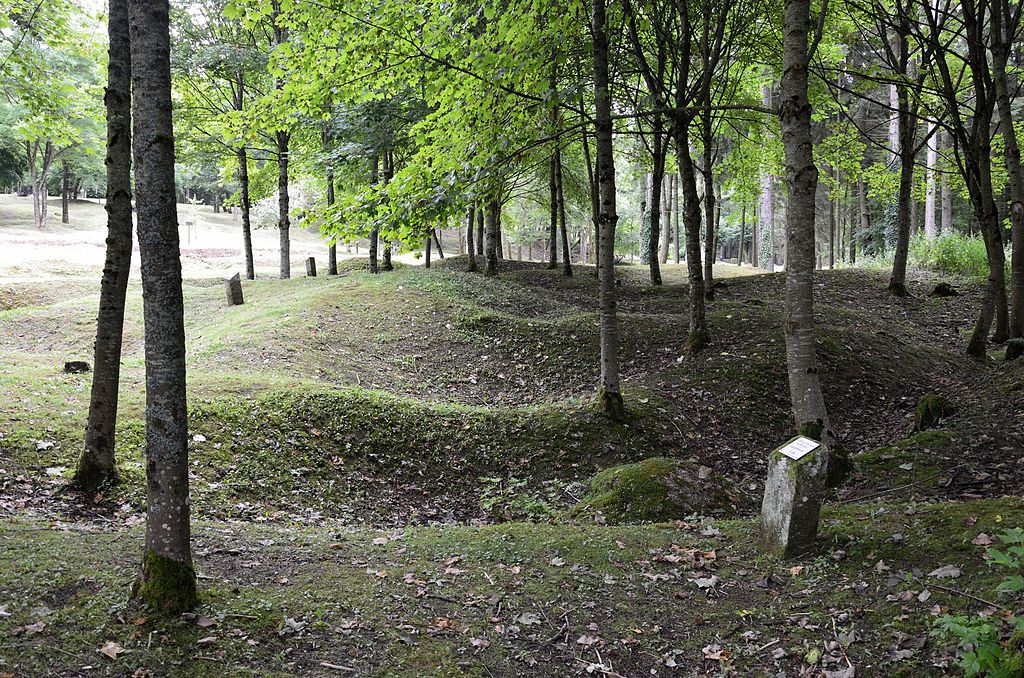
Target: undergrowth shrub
<point>994,645</point>
<point>953,254</point>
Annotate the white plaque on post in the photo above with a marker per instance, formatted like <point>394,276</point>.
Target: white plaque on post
<point>793,494</point>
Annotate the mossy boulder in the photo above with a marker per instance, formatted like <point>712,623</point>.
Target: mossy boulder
<point>944,289</point>
<point>931,410</point>
<point>658,490</point>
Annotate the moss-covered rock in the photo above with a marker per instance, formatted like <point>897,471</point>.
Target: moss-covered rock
<point>656,490</point>
<point>931,410</point>
<point>907,459</point>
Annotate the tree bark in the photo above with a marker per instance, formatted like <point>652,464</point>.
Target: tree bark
<point>699,335</point>
<point>945,198</point>
<point>553,216</point>
<point>610,392</point>
<point>375,231</point>
<point>656,187</point>
<point>491,237</point>
<point>97,465</point>
<point>283,220</point>
<point>563,227</point>
<point>809,411</point>
<point>931,160</point>
<point>167,580</point>
<point>243,190</point>
<point>743,233</point>
<point>709,217</point>
<point>389,172</point>
<point>65,192</point>
<point>332,250</point>
<point>470,246</point>
<point>1003,32</point>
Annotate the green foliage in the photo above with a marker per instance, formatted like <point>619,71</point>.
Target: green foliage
<point>992,646</point>
<point>512,499</point>
<point>952,254</point>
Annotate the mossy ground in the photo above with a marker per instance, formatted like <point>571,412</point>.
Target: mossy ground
<point>504,600</point>
<point>432,404</point>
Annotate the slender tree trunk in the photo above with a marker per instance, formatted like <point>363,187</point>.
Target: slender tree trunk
<point>470,248</point>
<point>945,198</point>
<point>435,234</point>
<point>654,206</point>
<point>699,335</point>
<point>610,393</point>
<point>931,160</point>
<point>332,250</point>
<point>553,220</point>
<point>243,189</point>
<point>905,199</point>
<point>560,195</point>
<point>389,172</point>
<point>96,466</point>
<point>375,231</point>
<point>491,236</point>
<point>426,251</point>
<point>1003,33</point>
<point>675,214</point>
<point>809,409</point>
<point>743,233</point>
<point>65,192</point>
<point>167,580</point>
<point>283,220</point>
<point>480,216</point>
<point>709,217</point>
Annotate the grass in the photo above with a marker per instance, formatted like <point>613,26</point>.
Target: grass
<point>502,599</point>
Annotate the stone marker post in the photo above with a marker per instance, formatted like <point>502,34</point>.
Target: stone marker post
<point>233,287</point>
<point>311,267</point>
<point>792,497</point>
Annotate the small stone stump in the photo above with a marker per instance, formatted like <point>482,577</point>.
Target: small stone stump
<point>76,367</point>
<point>311,267</point>
<point>233,289</point>
<point>792,497</point>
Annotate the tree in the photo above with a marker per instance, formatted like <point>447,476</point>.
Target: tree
<point>808,401</point>
<point>96,466</point>
<point>167,580</point>
<point>610,393</point>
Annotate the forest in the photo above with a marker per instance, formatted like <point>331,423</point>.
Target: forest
<point>593,338</point>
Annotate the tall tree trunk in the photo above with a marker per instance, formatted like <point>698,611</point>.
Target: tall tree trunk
<point>470,247</point>
<point>436,235</point>
<point>243,190</point>
<point>553,216</point>
<point>931,160</point>
<point>389,172</point>
<point>945,197</point>
<point>610,393</point>
<point>865,218</point>
<point>709,216</point>
<point>480,216</point>
<point>375,231</point>
<point>675,215</point>
<point>699,336</point>
<point>656,187</point>
<point>332,250</point>
<point>492,238</point>
<point>1003,32</point>
<point>743,233</point>
<point>283,220</point>
<point>809,411</point>
<point>426,251</point>
<point>96,466</point>
<point>898,279</point>
<point>65,192</point>
<point>563,227</point>
<point>167,580</point>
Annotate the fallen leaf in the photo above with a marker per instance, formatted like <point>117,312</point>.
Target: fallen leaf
<point>204,622</point>
<point>982,540</point>
<point>110,649</point>
<point>945,572</point>
<point>207,640</point>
